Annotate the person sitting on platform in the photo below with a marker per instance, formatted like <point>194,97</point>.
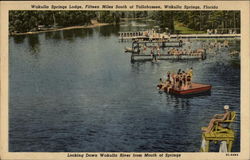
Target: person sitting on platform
<point>173,76</point>
<point>161,84</point>
<point>168,86</point>
<point>168,76</point>
<point>218,118</point>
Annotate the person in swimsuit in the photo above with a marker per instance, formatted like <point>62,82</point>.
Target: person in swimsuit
<point>161,84</point>
<point>189,83</point>
<point>168,76</point>
<point>184,78</point>
<point>180,81</point>
<point>179,71</point>
<point>168,86</point>
<point>218,118</point>
<point>158,50</point>
<point>190,71</point>
<point>172,79</point>
<point>153,53</point>
<point>177,79</point>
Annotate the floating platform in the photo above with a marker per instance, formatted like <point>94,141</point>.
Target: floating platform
<point>148,57</point>
<point>194,89</point>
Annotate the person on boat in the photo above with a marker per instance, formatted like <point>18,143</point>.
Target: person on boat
<point>218,118</point>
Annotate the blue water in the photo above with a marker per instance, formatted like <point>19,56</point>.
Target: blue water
<point>76,91</point>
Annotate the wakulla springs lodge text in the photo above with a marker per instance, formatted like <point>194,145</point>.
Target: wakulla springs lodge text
<point>186,7</point>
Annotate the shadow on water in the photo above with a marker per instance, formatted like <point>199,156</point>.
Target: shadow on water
<point>53,35</point>
<point>34,44</point>
<point>106,31</point>
<point>69,35</point>
<point>19,39</point>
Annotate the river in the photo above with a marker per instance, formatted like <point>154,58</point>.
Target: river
<point>77,91</point>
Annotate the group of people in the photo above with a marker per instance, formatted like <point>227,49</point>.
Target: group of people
<point>189,52</point>
<point>180,80</point>
<point>218,44</point>
<point>155,51</point>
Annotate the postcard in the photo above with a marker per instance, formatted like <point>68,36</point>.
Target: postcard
<point>151,80</point>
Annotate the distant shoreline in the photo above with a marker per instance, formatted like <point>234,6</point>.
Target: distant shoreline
<point>93,25</point>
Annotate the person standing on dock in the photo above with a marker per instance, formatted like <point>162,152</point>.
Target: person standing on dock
<point>154,55</point>
<point>158,50</point>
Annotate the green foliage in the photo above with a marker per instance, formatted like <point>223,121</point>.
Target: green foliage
<point>223,21</point>
<point>171,21</point>
<point>25,21</point>
<point>164,19</point>
<point>108,17</point>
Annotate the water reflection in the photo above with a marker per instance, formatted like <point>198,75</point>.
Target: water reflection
<point>136,105</point>
<point>19,39</point>
<point>34,44</point>
<point>48,35</point>
<point>106,31</point>
<point>56,35</point>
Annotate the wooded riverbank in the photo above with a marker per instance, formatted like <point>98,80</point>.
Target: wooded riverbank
<point>93,25</point>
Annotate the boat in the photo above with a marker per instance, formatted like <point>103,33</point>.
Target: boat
<point>195,88</point>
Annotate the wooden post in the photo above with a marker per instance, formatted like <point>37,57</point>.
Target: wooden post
<point>207,146</point>
<point>230,144</point>
<point>132,58</point>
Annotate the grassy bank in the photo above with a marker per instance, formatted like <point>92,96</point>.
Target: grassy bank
<point>182,29</point>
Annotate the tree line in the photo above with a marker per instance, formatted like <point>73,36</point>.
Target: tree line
<point>199,20</point>
<point>25,21</point>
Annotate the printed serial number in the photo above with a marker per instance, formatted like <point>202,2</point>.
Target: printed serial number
<point>232,154</point>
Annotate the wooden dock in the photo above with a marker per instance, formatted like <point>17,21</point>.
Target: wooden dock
<point>126,36</point>
<point>204,36</point>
